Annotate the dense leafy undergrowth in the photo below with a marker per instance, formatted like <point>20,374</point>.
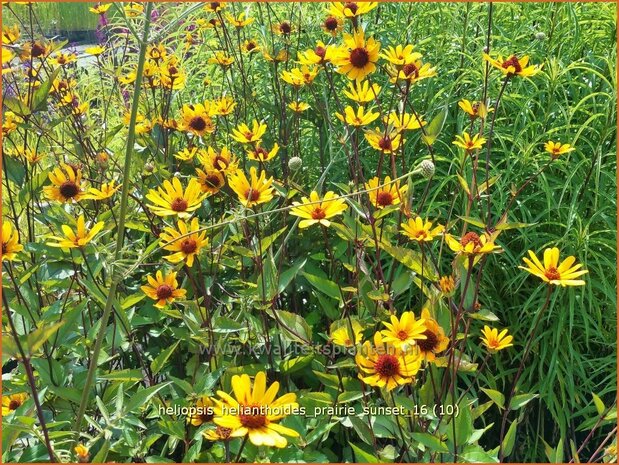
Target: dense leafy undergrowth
<point>320,232</point>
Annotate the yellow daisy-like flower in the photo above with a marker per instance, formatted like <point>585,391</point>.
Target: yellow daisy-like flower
<point>419,230</point>
<point>82,453</point>
<point>133,9</point>
<point>186,241</point>
<point>357,57</point>
<point>556,149</point>
<point>187,154</point>
<point>404,332</point>
<point>100,8</point>
<point>214,7</point>
<point>217,434</point>
<point>343,336</point>
<point>319,55</point>
<point>196,119</point>
<point>94,51</point>
<point>66,184</point>
<point>435,341</point>
<point>474,109</point>
<point>250,46</point>
<point>223,161</point>
<point>12,402</point>
<point>7,56</point>
<point>400,55</point>
<point>173,200</point>
<point>36,49</point>
<point>361,118</point>
<point>221,58</point>
<point>10,242</point>
<point>171,75</point>
<point>245,135</point>
<point>127,78</point>
<point>211,182</point>
<point>384,365</point>
<point>255,412</point>
<point>78,238</point>
<point>202,412</point>
<point>471,244</point>
<point>447,284</point>
<point>163,289</point>
<point>261,154</point>
<point>351,9</point>
<point>223,106</point>
<point>553,272</point>
<point>495,341</point>
<point>404,121</point>
<point>239,21</point>
<point>362,92</point>
<point>332,25</point>
<point>316,210</point>
<point>9,122</point>
<point>278,56</point>
<point>469,144</point>
<point>513,66</point>
<point>10,34</point>
<point>386,193</point>
<point>62,58</point>
<point>284,28</point>
<point>107,190</point>
<point>142,124</point>
<point>253,191</point>
<point>384,141</point>
<point>412,72</point>
<point>298,107</point>
<point>300,77</point>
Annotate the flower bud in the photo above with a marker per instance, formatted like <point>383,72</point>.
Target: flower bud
<point>540,36</point>
<point>426,167</point>
<point>149,167</point>
<point>295,163</point>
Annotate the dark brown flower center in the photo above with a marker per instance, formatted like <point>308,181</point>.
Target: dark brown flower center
<point>197,123</point>
<point>14,404</point>
<point>430,343</point>
<point>387,366</point>
<point>179,204</point>
<point>220,162</point>
<point>359,57</point>
<point>250,46</point>
<point>212,180</point>
<point>320,51</point>
<point>471,237</point>
<point>189,246</point>
<point>214,5</point>
<point>164,292</point>
<point>223,433</point>
<point>318,214</point>
<point>352,6</point>
<point>285,28</point>
<point>552,273</point>
<point>384,199</point>
<point>252,195</point>
<point>385,143</point>
<point>402,335</point>
<point>331,23</point>
<point>69,189</point>
<point>411,70</point>
<point>261,153</point>
<point>37,50</point>
<point>512,61</point>
<point>252,417</point>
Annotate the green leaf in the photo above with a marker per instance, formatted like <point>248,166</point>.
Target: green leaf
<point>323,285</point>
<point>432,130</point>
<point>497,397</point>
<point>39,336</point>
<point>296,364</point>
<point>362,456</point>
<point>510,439</point>
<point>599,405</point>
<point>293,326</point>
<point>159,362</point>
<point>287,276</point>
<point>474,221</point>
<point>141,397</point>
<point>521,400</point>
<point>39,100</point>
<point>433,443</point>
<point>411,259</point>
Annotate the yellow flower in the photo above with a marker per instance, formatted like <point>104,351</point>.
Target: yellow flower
<point>107,190</point>
<point>36,49</point>
<point>474,109</point>
<point>171,75</point>
<point>283,29</point>
<point>211,182</point>
<point>300,77</point>
<point>435,341</point>
<point>404,332</point>
<point>464,141</point>
<point>447,284</point>
<point>351,9</point>
<point>187,153</point>
<point>10,34</point>
<point>384,365</point>
<point>400,55</point>
<point>255,413</point>
<point>316,210</point>
<point>78,238</point>
<point>156,52</point>
<point>100,8</point>
<point>495,341</point>
<point>250,46</point>
<point>385,194</point>
<point>261,154</point>
<point>513,66</point>
<point>405,121</point>
<point>82,453</point>
<point>66,184</point>
<point>163,289</point>
<point>127,78</point>
<point>221,58</point>
<point>10,241</point>
<point>62,59</point>
<point>239,21</point>
<point>419,230</point>
<point>9,122</point>
<point>95,50</point>
<point>172,200</point>
<point>553,272</point>
<point>471,244</point>
<point>142,124</point>
<point>223,106</point>
<point>196,120</point>
<point>361,118</point>
<point>222,161</point>
<point>280,56</point>
<point>12,402</point>
<point>332,25</point>
<point>254,191</point>
<point>342,336</point>
<point>133,9</point>
<point>362,92</point>
<point>214,7</point>
<point>217,434</point>
<point>202,412</point>
<point>244,135</point>
<point>298,107</point>
<point>412,72</point>
<point>384,141</point>
<point>185,242</point>
<point>357,57</point>
<point>555,149</point>
<point>320,55</point>
<point>7,56</point>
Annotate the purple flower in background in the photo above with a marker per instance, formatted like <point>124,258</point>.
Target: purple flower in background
<point>100,34</point>
<point>154,15</point>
